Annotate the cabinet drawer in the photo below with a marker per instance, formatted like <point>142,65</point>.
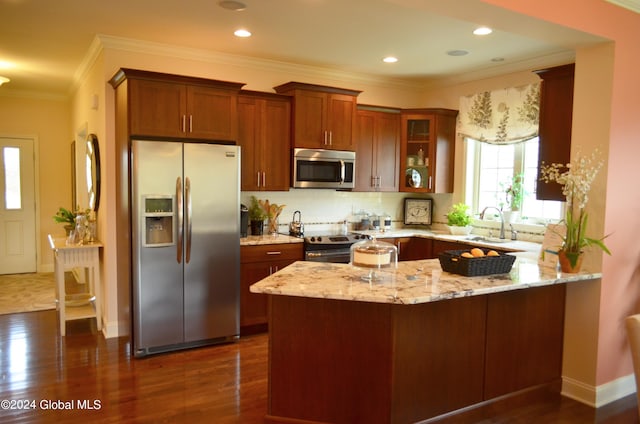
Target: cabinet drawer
<point>271,252</point>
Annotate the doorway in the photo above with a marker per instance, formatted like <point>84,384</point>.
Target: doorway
<point>17,206</point>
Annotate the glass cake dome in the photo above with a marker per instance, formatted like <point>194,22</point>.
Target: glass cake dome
<point>373,255</point>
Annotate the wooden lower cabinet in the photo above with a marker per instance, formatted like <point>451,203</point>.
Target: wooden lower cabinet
<point>525,330</point>
<point>256,263</point>
<point>412,248</point>
<point>338,361</point>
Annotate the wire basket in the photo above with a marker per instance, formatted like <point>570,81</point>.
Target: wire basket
<point>451,261</point>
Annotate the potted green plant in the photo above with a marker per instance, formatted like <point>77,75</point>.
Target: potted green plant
<point>66,217</point>
<point>576,183</point>
<point>459,219</point>
<point>514,195</point>
<point>257,216</point>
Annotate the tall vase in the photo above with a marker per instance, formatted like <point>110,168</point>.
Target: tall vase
<point>273,226</point>
<point>570,262</point>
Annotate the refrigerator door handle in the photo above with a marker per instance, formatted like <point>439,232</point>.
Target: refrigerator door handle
<point>187,199</point>
<point>179,208</point>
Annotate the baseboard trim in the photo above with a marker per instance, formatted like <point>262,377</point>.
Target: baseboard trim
<point>597,396</point>
<point>111,330</point>
<point>45,268</point>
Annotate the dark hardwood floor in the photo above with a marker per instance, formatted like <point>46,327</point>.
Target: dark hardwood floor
<point>219,384</point>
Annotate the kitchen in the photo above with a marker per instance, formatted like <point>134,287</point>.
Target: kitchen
<point>117,57</point>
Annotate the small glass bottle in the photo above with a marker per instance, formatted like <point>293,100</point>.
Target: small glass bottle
<point>420,156</point>
<point>387,222</point>
<point>375,222</point>
<point>344,228</point>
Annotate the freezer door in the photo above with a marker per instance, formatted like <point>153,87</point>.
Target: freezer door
<point>212,246</point>
<point>157,268</point>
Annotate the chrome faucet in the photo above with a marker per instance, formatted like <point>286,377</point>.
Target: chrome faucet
<point>501,219</point>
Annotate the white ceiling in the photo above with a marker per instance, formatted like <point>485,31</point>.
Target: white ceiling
<point>47,40</point>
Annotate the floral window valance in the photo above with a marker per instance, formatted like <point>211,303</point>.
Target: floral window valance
<point>502,116</point>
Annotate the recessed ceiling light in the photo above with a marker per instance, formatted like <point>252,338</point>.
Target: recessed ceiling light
<point>390,59</point>
<point>4,80</point>
<point>243,33</point>
<point>457,52</point>
<point>232,5</point>
<point>482,31</point>
<point>498,59</point>
<point>6,65</point>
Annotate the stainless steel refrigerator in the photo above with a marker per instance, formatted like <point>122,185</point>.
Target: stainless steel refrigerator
<point>186,252</point>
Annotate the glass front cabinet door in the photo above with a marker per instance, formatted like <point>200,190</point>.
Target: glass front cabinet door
<point>427,150</point>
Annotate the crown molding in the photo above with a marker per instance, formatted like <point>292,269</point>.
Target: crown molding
<point>219,58</point>
<point>103,41</point>
<point>94,51</point>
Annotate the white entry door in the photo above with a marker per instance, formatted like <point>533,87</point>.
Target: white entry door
<point>17,206</point>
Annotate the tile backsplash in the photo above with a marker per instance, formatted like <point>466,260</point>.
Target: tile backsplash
<point>324,210</point>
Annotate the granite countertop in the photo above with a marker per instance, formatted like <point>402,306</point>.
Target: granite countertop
<point>269,239</point>
<point>507,245</point>
<point>412,282</point>
<point>471,239</point>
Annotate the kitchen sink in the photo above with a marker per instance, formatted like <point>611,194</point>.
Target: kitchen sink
<point>488,239</point>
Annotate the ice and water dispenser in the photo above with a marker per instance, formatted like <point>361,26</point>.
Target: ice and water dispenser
<point>158,218</point>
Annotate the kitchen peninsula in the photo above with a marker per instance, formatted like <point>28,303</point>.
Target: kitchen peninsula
<point>413,346</point>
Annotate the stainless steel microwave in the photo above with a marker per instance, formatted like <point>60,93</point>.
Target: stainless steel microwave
<point>318,168</point>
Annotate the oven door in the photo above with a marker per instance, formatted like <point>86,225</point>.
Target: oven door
<point>339,256</point>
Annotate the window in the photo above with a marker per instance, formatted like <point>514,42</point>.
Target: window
<point>490,170</point>
<point>12,195</point>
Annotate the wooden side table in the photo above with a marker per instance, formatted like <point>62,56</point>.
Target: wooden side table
<point>66,258</point>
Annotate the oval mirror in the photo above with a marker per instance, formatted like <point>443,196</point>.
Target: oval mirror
<point>93,171</point>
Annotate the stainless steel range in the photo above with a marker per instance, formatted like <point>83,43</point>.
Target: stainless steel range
<point>330,248</point>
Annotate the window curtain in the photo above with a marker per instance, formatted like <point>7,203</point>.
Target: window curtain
<point>504,116</point>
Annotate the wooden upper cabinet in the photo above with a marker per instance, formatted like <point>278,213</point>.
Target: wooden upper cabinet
<point>211,113</point>
<point>323,117</point>
<point>377,150</point>
<point>427,150</point>
<point>264,135</point>
<point>163,105</point>
<point>157,108</point>
<point>556,113</point>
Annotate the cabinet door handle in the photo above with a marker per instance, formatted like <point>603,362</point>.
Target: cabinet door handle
<point>274,252</point>
<point>188,225</point>
<point>373,181</point>
<point>330,138</point>
<point>258,178</point>
<point>264,179</point>
<point>184,123</point>
<point>179,206</point>
<point>325,138</point>
<point>398,244</point>
<point>190,123</point>
<point>379,181</point>
<point>429,182</point>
